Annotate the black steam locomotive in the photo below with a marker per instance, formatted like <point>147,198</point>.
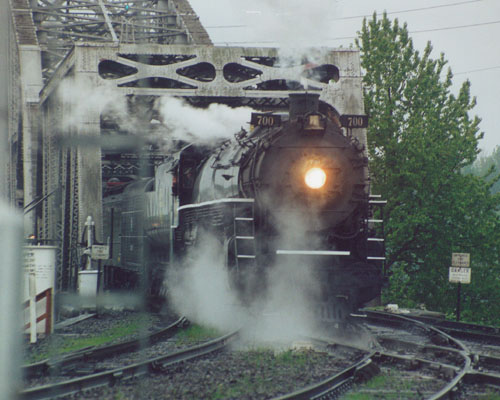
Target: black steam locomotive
<point>292,191</point>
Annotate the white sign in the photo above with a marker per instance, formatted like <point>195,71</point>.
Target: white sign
<point>459,275</point>
<point>40,261</point>
<point>100,252</point>
<point>39,275</point>
<point>460,260</point>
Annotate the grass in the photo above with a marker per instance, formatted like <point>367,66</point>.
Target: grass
<point>398,396</point>
<point>266,364</point>
<point>195,334</point>
<point>66,345</point>
<point>392,386</point>
<point>490,396</point>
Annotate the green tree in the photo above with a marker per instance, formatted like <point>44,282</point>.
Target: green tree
<point>420,138</point>
<point>487,167</point>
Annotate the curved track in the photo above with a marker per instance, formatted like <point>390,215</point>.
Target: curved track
<point>113,376</point>
<point>438,365</point>
<point>56,366</point>
<point>429,351</point>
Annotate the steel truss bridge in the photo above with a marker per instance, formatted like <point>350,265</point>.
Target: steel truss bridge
<point>136,51</point>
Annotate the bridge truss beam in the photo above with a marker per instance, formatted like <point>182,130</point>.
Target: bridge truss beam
<point>139,74</point>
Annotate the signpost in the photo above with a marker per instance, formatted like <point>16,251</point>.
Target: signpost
<point>459,273</point>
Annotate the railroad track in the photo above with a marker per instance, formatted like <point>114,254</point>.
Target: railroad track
<point>113,376</point>
<point>60,365</point>
<point>171,366</point>
<point>435,355</point>
<point>465,331</point>
<point>403,348</point>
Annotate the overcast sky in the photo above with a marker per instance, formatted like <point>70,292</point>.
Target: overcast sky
<point>467,32</point>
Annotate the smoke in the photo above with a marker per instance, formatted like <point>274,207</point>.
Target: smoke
<point>296,25</point>
<point>200,288</point>
<point>283,306</point>
<point>287,310</point>
<point>160,122</point>
<point>82,100</point>
<point>185,122</point>
<point>293,288</point>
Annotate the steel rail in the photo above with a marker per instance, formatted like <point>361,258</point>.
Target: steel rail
<point>396,319</point>
<point>96,353</point>
<point>422,348</point>
<point>334,385</point>
<point>487,334</point>
<point>485,370</point>
<point>482,377</point>
<point>472,336</point>
<point>463,350</point>
<point>119,374</point>
<point>485,361</point>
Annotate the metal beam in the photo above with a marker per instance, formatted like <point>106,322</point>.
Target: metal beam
<point>110,21</point>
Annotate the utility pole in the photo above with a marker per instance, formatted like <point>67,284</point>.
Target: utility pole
<point>4,97</point>
<point>10,233</point>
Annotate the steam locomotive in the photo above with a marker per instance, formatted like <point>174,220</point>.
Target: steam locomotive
<point>292,191</point>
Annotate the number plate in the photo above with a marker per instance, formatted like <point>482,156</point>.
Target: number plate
<point>265,119</point>
<point>354,121</point>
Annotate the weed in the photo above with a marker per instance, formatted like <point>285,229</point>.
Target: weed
<point>195,334</point>
<point>66,345</point>
<point>392,385</point>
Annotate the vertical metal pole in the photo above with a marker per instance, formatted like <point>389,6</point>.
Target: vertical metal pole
<point>384,265</point>
<point>459,287</point>
<point>32,306</point>
<point>10,301</point>
<point>90,227</point>
<point>98,305</point>
<point>4,98</point>
<point>10,235</point>
<point>111,232</point>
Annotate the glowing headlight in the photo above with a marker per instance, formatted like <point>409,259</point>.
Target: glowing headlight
<point>315,178</point>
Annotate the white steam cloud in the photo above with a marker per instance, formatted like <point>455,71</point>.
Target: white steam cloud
<point>287,311</point>
<point>178,119</point>
<point>296,25</point>
<point>189,123</point>
<point>81,100</point>
<point>200,290</point>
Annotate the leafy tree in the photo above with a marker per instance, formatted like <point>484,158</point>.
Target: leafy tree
<point>420,138</point>
<point>487,167</point>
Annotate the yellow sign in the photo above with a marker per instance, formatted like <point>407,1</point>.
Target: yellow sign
<point>460,260</point>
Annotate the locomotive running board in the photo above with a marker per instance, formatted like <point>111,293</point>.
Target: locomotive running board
<point>313,253</point>
<point>218,201</point>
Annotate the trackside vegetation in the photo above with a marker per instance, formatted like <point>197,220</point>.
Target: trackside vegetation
<point>421,140</point>
<point>55,346</point>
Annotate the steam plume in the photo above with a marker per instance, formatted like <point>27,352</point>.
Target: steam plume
<point>296,25</point>
<point>189,123</point>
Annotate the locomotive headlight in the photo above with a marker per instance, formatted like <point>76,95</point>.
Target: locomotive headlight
<point>315,178</point>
